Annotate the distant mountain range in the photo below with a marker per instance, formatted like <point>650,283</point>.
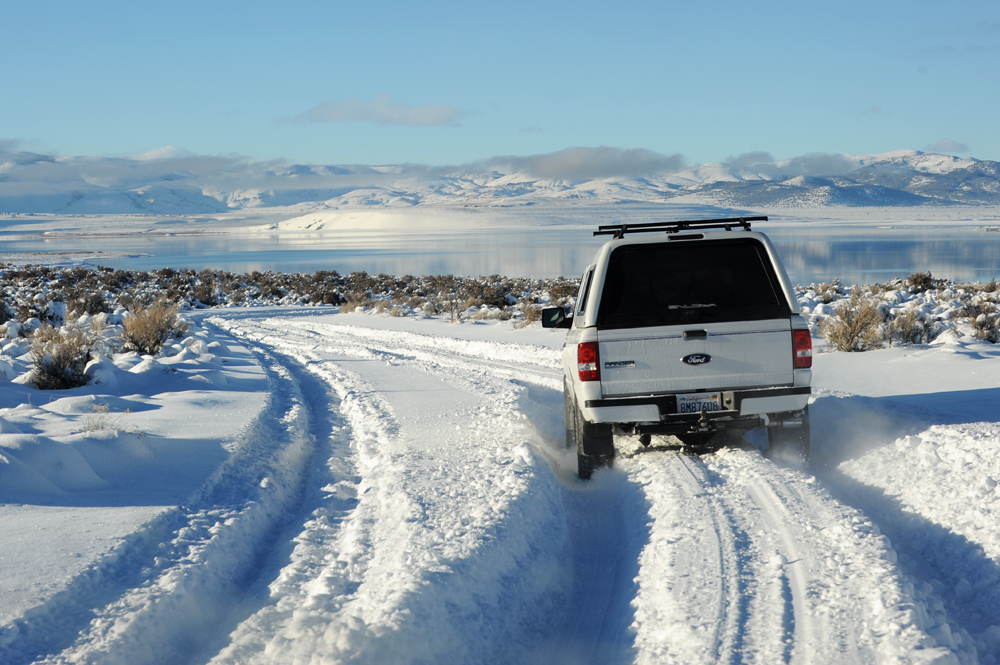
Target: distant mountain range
<point>175,182</point>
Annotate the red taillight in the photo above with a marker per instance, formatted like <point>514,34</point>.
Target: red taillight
<point>802,348</point>
<point>588,362</point>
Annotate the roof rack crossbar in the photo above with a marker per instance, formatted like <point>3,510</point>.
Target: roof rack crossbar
<point>619,230</point>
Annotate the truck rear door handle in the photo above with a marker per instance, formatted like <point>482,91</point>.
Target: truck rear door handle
<point>695,334</point>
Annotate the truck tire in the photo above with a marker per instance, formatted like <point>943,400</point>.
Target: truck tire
<point>595,445</point>
<point>790,443</point>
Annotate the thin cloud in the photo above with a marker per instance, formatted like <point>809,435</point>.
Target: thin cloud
<point>873,110</point>
<point>813,164</point>
<point>749,159</point>
<point>8,145</point>
<point>167,152</point>
<point>948,147</point>
<point>382,111</point>
<point>593,163</point>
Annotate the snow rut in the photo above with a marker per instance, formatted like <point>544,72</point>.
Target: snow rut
<point>452,553</point>
<point>158,597</point>
<point>751,562</point>
<point>668,558</point>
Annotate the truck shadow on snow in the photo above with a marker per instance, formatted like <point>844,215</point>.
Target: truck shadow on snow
<point>608,522</point>
<point>846,427</point>
<point>943,564</point>
<point>950,572</point>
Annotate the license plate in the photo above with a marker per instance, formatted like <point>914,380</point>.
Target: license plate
<point>698,402</point>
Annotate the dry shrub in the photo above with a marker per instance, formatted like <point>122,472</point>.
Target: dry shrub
<point>828,291</point>
<point>146,329</point>
<point>562,290</point>
<point>920,282</point>
<point>857,325</point>
<point>60,357</point>
<point>532,313</point>
<point>352,305</point>
<point>910,327</point>
<point>984,327</point>
<point>204,292</point>
<point>398,310</point>
<point>92,302</point>
<point>100,418</point>
<point>982,315</point>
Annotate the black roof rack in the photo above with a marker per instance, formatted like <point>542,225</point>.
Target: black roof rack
<point>619,230</point>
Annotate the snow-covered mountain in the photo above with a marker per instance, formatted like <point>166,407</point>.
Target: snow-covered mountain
<point>172,181</point>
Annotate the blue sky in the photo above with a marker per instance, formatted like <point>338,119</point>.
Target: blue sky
<point>445,83</point>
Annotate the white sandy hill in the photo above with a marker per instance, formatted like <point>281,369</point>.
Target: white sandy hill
<point>371,489</point>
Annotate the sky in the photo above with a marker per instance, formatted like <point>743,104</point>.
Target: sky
<point>446,83</point>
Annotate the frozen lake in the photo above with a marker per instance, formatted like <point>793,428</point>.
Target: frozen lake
<point>812,252</point>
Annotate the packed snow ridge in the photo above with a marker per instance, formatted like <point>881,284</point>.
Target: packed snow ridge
<point>176,182</point>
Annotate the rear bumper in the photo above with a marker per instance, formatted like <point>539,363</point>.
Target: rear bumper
<point>741,404</point>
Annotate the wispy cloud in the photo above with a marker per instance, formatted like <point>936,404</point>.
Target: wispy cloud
<point>167,152</point>
<point>813,164</point>
<point>750,159</point>
<point>8,145</point>
<point>382,111</point>
<point>875,109</point>
<point>948,147</point>
<point>593,163</point>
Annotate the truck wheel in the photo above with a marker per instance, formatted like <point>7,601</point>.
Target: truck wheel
<point>595,445</point>
<point>790,443</point>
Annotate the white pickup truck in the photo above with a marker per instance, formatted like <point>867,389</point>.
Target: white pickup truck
<point>685,329</point>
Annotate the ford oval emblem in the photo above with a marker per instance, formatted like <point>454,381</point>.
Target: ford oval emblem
<point>696,359</point>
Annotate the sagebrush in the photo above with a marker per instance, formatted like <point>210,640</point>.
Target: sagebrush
<point>146,329</point>
<point>858,324</point>
<point>60,357</point>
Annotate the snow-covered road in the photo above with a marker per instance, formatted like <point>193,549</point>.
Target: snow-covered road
<point>405,497</point>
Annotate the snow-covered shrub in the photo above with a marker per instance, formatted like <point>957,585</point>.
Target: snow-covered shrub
<point>103,335</point>
<point>857,325</point>
<point>829,291</point>
<point>92,302</point>
<point>909,327</point>
<point>146,329</point>
<point>920,282</point>
<point>205,291</point>
<point>562,290</point>
<point>982,316</point>
<point>532,313</point>
<point>60,357</point>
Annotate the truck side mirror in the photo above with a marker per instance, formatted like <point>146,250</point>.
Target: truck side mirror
<point>555,317</point>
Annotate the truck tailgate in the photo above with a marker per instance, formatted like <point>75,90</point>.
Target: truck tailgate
<point>644,361</point>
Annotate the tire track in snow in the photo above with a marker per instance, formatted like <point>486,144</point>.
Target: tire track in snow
<point>739,517</point>
<point>458,527</point>
<point>161,594</point>
<point>694,586</point>
<point>849,601</point>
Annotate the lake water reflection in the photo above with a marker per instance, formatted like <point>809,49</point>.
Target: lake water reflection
<point>811,253</point>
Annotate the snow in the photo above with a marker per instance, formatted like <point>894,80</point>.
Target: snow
<point>284,486</point>
<point>172,181</point>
